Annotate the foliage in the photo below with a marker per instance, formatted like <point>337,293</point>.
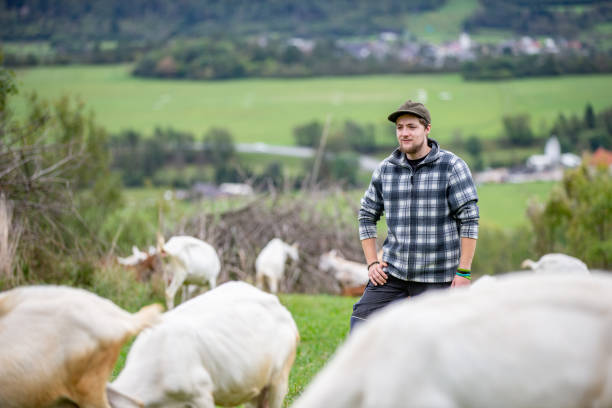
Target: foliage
<point>360,138</point>
<point>308,134</point>
<point>219,146</point>
<point>152,21</point>
<point>518,130</point>
<point>539,17</point>
<point>272,176</point>
<point>593,131</point>
<point>139,158</point>
<point>228,57</point>
<point>344,168</point>
<point>54,174</point>
<point>521,66</point>
<point>501,250</point>
<point>577,218</point>
<point>7,86</point>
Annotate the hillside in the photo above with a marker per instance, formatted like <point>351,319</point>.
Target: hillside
<point>156,21</point>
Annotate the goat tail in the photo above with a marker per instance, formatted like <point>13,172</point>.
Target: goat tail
<point>147,317</point>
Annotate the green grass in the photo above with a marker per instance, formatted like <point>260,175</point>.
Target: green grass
<point>505,205</point>
<point>441,24</point>
<point>323,322</point>
<point>501,205</point>
<point>267,110</point>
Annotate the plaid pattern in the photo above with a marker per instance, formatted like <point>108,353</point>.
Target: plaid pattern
<point>427,211</point>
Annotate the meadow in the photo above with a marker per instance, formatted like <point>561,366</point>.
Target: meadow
<point>267,110</point>
<point>323,320</point>
<point>501,205</point>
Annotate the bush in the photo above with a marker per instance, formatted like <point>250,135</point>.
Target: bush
<point>309,134</point>
<point>501,251</point>
<point>54,172</point>
<point>577,219</point>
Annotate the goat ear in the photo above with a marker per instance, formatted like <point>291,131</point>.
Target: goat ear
<point>117,399</point>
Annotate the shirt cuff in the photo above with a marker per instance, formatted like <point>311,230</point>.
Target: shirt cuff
<point>469,231</point>
<point>367,231</point>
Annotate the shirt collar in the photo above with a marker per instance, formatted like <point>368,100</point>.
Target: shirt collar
<point>400,159</point>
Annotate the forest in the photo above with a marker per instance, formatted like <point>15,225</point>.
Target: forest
<point>236,39</point>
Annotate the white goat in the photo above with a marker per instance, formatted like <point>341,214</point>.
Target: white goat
<point>231,345</point>
<point>556,263</point>
<point>188,261</point>
<point>270,263</point>
<point>137,257</point>
<point>526,341</point>
<point>144,263</point>
<point>352,276</point>
<point>59,345</point>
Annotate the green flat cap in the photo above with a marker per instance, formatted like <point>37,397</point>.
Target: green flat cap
<point>412,108</point>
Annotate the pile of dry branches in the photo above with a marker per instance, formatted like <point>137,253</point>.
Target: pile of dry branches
<point>239,235</point>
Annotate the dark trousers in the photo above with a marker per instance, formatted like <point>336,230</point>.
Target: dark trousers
<point>377,297</point>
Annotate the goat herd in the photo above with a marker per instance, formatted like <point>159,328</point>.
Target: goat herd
<point>521,340</point>
<point>187,262</point>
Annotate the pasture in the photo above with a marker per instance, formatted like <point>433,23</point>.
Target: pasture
<point>501,205</point>
<point>267,110</point>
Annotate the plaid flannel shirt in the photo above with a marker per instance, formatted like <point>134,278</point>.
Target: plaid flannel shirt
<point>427,211</point>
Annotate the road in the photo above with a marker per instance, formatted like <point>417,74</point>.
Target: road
<point>365,162</point>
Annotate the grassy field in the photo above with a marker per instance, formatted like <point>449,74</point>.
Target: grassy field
<point>267,110</point>
<point>504,205</point>
<point>442,24</point>
<point>501,205</point>
<point>323,320</point>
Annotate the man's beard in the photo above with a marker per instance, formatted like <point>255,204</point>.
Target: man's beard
<point>414,148</point>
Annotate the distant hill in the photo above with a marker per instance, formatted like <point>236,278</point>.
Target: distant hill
<point>221,39</point>
<point>155,21</point>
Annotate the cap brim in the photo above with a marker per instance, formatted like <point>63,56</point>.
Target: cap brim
<point>393,117</point>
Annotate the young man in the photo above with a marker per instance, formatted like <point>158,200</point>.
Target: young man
<point>429,200</point>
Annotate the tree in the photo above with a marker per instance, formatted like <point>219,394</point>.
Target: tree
<point>518,130</point>
<point>589,117</point>
<point>308,134</point>
<point>474,146</point>
<point>219,146</point>
<point>577,219</point>
<point>54,174</point>
<point>344,167</point>
<point>360,138</point>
